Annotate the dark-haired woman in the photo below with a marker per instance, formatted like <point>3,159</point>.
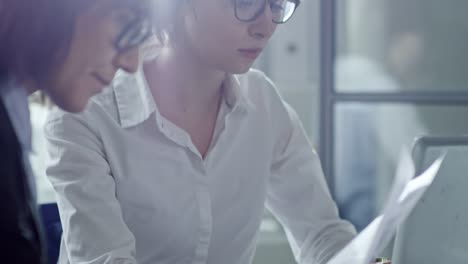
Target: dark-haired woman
<point>70,50</point>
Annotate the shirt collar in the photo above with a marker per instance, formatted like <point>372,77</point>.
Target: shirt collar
<point>235,94</point>
<point>15,100</point>
<point>135,102</point>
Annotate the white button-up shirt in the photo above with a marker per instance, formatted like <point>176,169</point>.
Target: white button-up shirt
<point>132,187</point>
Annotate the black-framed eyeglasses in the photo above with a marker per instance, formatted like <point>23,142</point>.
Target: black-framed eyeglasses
<point>249,10</point>
<point>134,33</point>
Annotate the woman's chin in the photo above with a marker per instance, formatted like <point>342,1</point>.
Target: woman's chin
<point>70,102</point>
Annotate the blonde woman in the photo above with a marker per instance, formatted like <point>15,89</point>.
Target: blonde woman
<point>175,163</point>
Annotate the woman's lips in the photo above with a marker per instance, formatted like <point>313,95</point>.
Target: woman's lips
<point>250,53</point>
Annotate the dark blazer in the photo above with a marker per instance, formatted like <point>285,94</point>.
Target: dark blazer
<point>20,237</point>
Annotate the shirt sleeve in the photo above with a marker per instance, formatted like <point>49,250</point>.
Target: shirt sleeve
<point>299,197</point>
<point>94,230</point>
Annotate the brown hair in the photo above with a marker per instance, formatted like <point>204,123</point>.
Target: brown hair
<point>35,35</point>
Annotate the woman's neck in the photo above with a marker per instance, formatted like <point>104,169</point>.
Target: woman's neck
<point>179,81</point>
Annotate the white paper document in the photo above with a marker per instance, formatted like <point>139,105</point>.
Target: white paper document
<point>404,195</point>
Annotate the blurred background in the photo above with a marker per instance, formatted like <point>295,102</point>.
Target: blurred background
<point>366,77</point>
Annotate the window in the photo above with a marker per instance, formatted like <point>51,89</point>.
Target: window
<point>399,71</point>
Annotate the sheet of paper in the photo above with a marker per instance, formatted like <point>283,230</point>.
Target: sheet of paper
<point>404,195</point>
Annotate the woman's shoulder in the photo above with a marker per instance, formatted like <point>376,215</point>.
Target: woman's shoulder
<point>255,78</point>
<point>259,88</point>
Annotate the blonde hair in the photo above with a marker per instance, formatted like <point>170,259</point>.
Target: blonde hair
<point>165,17</point>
